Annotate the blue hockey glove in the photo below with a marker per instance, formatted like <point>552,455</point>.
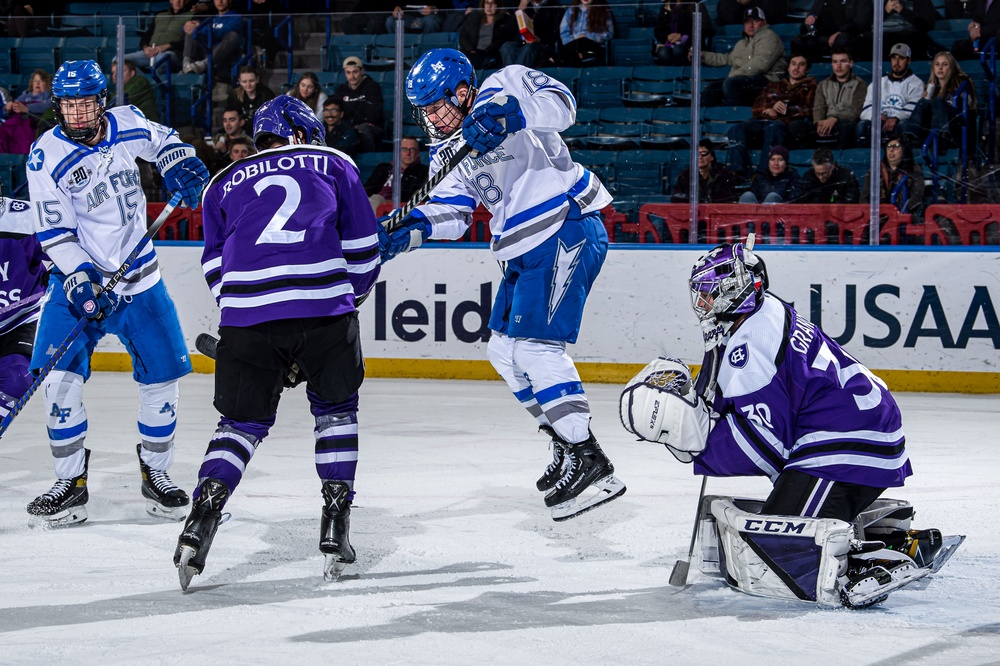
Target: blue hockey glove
<point>408,237</point>
<point>488,125</point>
<point>84,291</point>
<point>183,173</point>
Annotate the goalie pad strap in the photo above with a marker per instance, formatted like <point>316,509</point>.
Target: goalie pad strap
<point>174,155</point>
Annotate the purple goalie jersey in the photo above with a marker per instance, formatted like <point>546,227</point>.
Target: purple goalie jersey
<point>790,398</point>
<point>289,233</point>
<point>21,267</point>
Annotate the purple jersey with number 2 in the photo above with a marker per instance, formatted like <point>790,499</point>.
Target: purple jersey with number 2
<point>790,398</point>
<point>289,233</point>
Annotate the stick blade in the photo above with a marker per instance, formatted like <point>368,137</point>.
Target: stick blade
<point>206,344</point>
<point>679,576</point>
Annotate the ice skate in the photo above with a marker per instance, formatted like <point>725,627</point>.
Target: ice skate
<point>588,481</point>
<point>163,498</point>
<point>555,470</point>
<point>65,503</point>
<point>334,530</point>
<point>871,577</point>
<point>196,538</point>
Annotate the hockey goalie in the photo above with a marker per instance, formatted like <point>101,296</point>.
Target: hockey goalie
<point>778,397</point>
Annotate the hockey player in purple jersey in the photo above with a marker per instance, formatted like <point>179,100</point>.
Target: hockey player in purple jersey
<point>778,397</point>
<point>21,291</point>
<point>291,248</point>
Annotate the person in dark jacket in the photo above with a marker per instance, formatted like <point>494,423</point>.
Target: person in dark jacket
<point>339,134</point>
<point>413,175</point>
<point>902,180</point>
<point>908,22</point>
<point>777,184</point>
<point>545,16</point>
<point>363,106</point>
<point>716,183</point>
<point>483,32</point>
<point>826,182</point>
<point>249,94</point>
<point>985,25</point>
<point>840,23</point>
<point>674,29</point>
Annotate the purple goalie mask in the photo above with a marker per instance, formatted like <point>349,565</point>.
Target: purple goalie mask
<point>727,282</point>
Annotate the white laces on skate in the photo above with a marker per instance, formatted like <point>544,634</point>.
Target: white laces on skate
<point>60,488</point>
<point>558,458</point>
<point>568,463</point>
<point>162,482</point>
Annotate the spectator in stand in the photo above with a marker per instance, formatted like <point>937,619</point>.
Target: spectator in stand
<point>454,15</point>
<point>835,23</point>
<point>732,12</point>
<point>901,90</point>
<point>776,184</point>
<point>483,32</point>
<point>227,42</point>
<point>24,21</point>
<point>985,25</point>
<point>339,134</point>
<point>413,175</point>
<point>363,107</point>
<point>757,59</point>
<point>902,180</point>
<point>909,22</point>
<point>960,9</point>
<point>424,19</point>
<point>827,182</point>
<point>782,116</point>
<point>545,17</point>
<point>584,32</point>
<point>673,31</point>
<point>239,148</point>
<point>941,106</point>
<point>839,100</point>
<point>138,90</point>
<point>232,128</point>
<point>21,116</point>
<point>716,184</point>
<point>162,44</point>
<point>309,90</point>
<point>249,94</point>
<point>369,19</point>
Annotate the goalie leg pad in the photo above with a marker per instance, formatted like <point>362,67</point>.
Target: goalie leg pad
<point>783,557</point>
<point>882,516</point>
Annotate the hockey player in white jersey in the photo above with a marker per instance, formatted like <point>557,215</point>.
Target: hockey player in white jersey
<point>90,210</point>
<point>547,233</point>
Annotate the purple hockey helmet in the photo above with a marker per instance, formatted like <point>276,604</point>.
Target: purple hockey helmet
<point>727,282</point>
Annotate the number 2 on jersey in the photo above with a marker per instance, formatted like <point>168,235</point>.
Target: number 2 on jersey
<point>275,231</point>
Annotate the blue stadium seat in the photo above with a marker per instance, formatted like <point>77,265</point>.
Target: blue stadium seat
<point>87,48</point>
<point>39,53</point>
<point>639,172</point>
<point>627,51</point>
<point>14,175</point>
<point>8,48</point>
<point>600,162</point>
<point>603,86</point>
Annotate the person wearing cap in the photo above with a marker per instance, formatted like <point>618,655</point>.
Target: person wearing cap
<point>363,106</point>
<point>782,116</point>
<point>901,90</point>
<point>835,23</point>
<point>758,58</point>
<point>776,184</point>
<point>732,12</point>
<point>839,100</point>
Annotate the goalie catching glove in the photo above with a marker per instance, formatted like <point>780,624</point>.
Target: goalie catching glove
<point>661,405</point>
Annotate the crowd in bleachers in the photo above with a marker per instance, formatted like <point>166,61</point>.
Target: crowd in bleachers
<point>786,94</point>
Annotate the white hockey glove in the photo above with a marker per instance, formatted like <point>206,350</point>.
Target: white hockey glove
<point>660,405</point>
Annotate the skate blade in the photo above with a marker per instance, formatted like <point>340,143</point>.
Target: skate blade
<point>67,517</point>
<point>873,592</point>
<point>608,488</point>
<point>157,510</point>
<point>333,566</point>
<point>948,547</point>
<point>185,572</point>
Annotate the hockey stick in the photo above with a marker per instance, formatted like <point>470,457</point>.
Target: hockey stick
<point>20,304</point>
<point>424,193</point>
<point>679,576</point>
<point>80,325</point>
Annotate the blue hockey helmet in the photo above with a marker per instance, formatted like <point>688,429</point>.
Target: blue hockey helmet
<point>728,282</point>
<point>433,84</point>
<point>287,118</point>
<point>78,79</point>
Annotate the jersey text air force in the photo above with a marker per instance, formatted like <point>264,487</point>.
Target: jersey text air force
<point>311,249</point>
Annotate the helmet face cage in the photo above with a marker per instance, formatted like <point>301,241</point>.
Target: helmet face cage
<point>432,86</point>
<point>286,117</point>
<point>726,283</point>
<point>80,80</point>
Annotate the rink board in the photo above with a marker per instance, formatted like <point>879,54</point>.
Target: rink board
<point>925,319</point>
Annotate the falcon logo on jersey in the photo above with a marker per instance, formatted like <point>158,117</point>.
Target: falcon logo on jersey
<point>567,259</point>
<point>738,357</point>
<point>36,159</point>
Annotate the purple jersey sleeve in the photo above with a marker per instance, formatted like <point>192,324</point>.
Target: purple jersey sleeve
<point>289,233</point>
<point>790,397</point>
<point>21,267</point>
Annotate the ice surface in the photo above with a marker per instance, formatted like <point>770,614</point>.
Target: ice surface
<point>458,560</point>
